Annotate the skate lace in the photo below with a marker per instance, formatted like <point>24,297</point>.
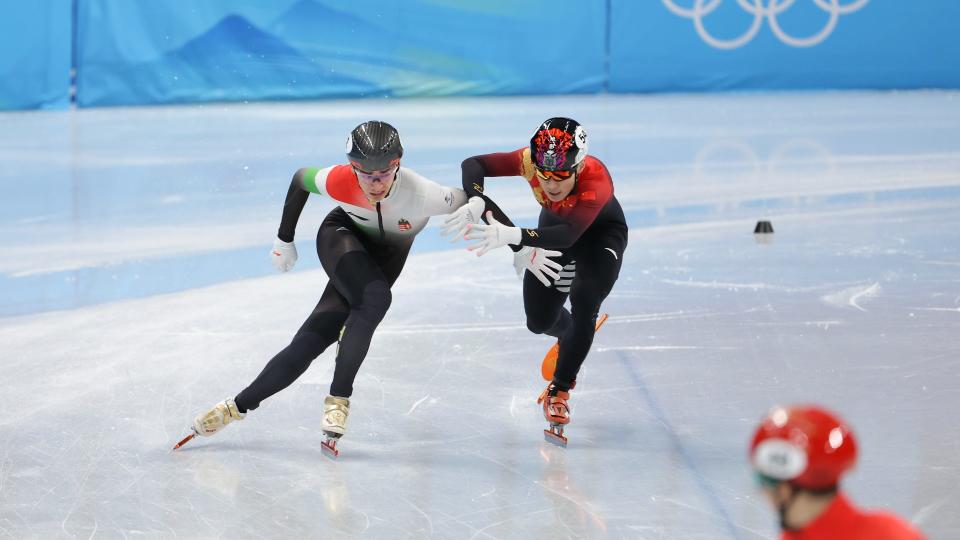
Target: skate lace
<point>558,406</point>
<point>336,417</point>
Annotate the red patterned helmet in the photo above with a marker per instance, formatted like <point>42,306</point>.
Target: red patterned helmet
<point>559,144</point>
<point>805,445</point>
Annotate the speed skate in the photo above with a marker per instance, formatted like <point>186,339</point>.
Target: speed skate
<point>557,413</point>
<point>335,412</point>
<point>555,435</point>
<point>329,445</point>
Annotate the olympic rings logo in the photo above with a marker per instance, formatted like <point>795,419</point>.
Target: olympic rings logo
<point>771,11</point>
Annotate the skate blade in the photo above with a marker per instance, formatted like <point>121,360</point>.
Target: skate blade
<point>329,448</point>
<point>549,365</point>
<point>555,436</point>
<point>184,441</point>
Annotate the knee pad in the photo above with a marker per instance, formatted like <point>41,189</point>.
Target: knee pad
<point>538,324</point>
<point>376,301</point>
<point>321,330</point>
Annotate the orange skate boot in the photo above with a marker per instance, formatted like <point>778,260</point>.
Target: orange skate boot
<point>557,412</point>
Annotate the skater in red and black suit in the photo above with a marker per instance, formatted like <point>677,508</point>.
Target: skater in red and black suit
<point>799,454</point>
<point>581,225</point>
<point>362,245</point>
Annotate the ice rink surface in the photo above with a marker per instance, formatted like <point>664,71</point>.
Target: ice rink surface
<point>135,292</point>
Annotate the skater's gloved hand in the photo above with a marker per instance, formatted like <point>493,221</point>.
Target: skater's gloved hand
<point>491,236</point>
<point>537,262</point>
<point>469,214</point>
<point>283,255</point>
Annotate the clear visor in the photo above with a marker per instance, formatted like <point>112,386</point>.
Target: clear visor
<point>369,177</point>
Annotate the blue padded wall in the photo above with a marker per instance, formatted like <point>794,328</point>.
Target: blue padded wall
<point>704,45</point>
<point>171,51</point>
<point>35,48</point>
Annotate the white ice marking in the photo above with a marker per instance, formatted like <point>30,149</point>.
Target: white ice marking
<point>484,532</point>
<point>661,348</point>
<point>749,286</point>
<point>432,328</point>
<point>924,513</point>
<point>493,490</point>
<point>823,325</point>
<point>119,245</point>
<point>954,310</point>
<point>424,514</point>
<point>852,295</point>
<point>417,404</point>
<point>448,328</point>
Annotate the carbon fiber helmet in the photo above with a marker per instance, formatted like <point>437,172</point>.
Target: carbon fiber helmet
<point>374,146</point>
<point>559,144</point>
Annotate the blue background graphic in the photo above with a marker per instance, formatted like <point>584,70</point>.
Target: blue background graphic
<point>218,50</point>
<point>35,53</point>
<point>166,51</point>
<point>883,44</point>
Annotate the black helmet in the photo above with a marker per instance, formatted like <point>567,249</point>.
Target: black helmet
<point>559,144</point>
<point>374,146</point>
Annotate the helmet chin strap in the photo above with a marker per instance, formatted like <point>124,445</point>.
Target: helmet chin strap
<point>784,507</point>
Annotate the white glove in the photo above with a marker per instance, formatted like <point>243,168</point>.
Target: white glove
<point>283,255</point>
<point>468,214</point>
<point>491,236</point>
<point>536,261</point>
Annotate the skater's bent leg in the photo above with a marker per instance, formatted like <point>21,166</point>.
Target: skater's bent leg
<point>596,275</point>
<point>575,344</point>
<point>318,332</point>
<point>360,280</point>
<point>282,370</point>
<point>544,308</point>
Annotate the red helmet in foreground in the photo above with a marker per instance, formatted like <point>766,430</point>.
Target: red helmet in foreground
<point>805,445</point>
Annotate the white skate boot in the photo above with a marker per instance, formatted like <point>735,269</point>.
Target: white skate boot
<point>212,421</point>
<point>335,413</point>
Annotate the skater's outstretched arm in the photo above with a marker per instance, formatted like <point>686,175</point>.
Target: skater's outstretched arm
<point>572,216</point>
<point>475,169</point>
<point>438,199</point>
<point>564,234</point>
<point>304,182</point>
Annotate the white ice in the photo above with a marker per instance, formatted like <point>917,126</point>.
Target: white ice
<point>135,292</point>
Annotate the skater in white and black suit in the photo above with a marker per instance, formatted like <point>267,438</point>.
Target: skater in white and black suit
<point>581,225</point>
<point>362,245</point>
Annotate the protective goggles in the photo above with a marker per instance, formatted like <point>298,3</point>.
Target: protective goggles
<point>375,175</point>
<point>556,176</point>
<point>394,163</point>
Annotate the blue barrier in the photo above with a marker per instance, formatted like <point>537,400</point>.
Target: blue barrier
<point>35,48</point>
<point>159,52</point>
<point>699,45</point>
<point>168,51</point>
